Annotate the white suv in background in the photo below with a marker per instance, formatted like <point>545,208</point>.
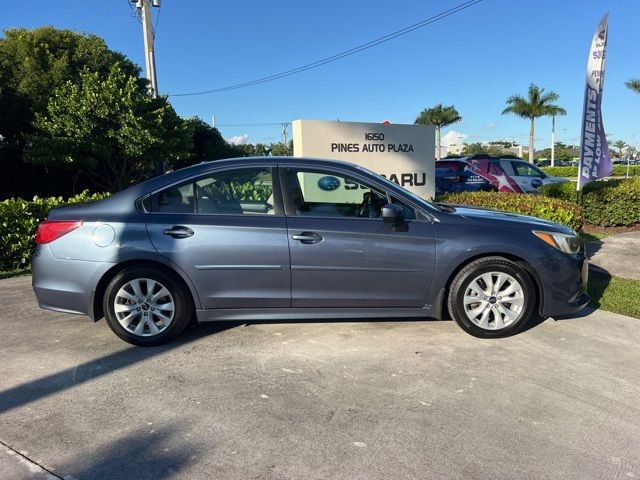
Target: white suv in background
<point>528,177</point>
<point>506,174</point>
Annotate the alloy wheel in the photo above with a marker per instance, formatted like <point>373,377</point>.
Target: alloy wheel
<point>144,307</point>
<point>494,300</point>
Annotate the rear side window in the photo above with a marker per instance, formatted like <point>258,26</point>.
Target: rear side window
<point>177,199</point>
<point>526,170</point>
<point>235,192</point>
<point>453,166</point>
<point>244,192</point>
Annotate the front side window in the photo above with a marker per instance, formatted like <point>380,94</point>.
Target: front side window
<point>327,194</point>
<point>236,192</point>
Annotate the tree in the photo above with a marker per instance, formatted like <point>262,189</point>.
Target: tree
<point>537,104</point>
<point>33,65</point>
<point>207,144</point>
<point>634,85</point>
<point>252,150</point>
<point>438,116</point>
<point>620,145</point>
<point>477,148</point>
<point>281,150</point>
<point>562,154</point>
<point>39,61</point>
<point>108,128</point>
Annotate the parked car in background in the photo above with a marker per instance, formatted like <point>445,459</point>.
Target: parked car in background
<point>484,172</point>
<point>455,176</point>
<point>279,238</point>
<point>526,176</point>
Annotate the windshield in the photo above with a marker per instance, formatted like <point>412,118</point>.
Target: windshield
<point>413,196</point>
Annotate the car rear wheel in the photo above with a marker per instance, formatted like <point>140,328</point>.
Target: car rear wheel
<point>492,297</point>
<point>146,306</point>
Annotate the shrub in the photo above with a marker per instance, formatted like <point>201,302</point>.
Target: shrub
<point>18,221</point>
<point>618,171</point>
<point>607,203</point>
<point>556,210</point>
<point>561,171</point>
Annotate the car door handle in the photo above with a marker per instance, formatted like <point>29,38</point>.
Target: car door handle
<point>307,238</point>
<point>178,232</point>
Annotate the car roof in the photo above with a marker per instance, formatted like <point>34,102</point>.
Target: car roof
<point>124,200</point>
<point>208,165</point>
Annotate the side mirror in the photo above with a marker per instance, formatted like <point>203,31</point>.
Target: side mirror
<point>393,213</point>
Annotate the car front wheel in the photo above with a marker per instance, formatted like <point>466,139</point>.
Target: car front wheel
<point>146,306</point>
<point>492,297</point>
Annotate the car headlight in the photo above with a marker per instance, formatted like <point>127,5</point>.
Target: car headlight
<point>566,243</point>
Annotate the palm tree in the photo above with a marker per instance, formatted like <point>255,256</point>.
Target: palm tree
<point>438,116</point>
<point>633,84</point>
<point>620,145</point>
<point>537,104</point>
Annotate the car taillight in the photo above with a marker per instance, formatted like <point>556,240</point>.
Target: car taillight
<point>50,230</point>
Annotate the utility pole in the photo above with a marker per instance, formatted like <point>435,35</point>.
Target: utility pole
<point>553,141</point>
<point>148,35</point>
<point>284,134</point>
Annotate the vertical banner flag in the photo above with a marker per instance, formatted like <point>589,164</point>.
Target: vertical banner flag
<point>595,161</point>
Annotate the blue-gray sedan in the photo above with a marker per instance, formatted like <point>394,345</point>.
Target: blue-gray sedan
<point>290,238</point>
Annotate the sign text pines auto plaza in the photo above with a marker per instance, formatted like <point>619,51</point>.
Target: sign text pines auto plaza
<point>402,153</point>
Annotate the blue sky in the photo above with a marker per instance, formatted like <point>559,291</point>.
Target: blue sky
<point>474,59</point>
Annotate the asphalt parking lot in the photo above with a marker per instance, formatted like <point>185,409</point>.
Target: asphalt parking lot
<point>343,400</point>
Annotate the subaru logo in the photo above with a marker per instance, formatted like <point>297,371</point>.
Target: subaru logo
<point>328,183</point>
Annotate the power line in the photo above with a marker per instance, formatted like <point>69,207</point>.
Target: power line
<point>134,11</point>
<point>248,124</point>
<point>338,56</point>
<point>155,27</point>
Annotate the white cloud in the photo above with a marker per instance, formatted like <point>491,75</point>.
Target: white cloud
<point>490,125</point>
<point>453,138</point>
<point>239,139</point>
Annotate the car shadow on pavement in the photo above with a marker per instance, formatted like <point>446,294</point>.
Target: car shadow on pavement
<point>599,280</point>
<point>34,390</point>
<point>154,454</point>
<point>592,247</point>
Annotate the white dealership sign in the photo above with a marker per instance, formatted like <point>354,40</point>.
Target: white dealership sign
<point>401,153</point>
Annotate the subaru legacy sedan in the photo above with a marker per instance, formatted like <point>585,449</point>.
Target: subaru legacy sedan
<point>257,239</point>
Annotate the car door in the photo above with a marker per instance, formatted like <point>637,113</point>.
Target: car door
<point>528,177</point>
<point>342,254</point>
<point>226,229</point>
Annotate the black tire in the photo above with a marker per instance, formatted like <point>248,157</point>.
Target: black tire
<point>472,271</point>
<point>183,305</point>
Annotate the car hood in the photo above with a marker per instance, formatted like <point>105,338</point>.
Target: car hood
<point>482,215</point>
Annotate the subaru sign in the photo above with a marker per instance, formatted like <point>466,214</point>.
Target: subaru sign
<point>402,153</point>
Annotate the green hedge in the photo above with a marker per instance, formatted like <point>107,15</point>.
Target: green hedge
<point>557,210</point>
<point>607,203</point>
<point>618,171</point>
<point>18,221</point>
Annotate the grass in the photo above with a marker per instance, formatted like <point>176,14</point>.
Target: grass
<point>593,236</point>
<point>615,294</point>
<point>14,273</point>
